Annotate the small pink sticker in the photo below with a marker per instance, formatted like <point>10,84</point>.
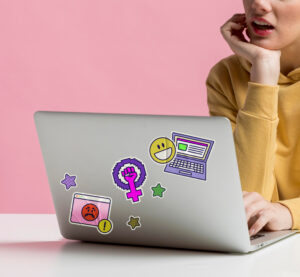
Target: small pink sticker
<point>89,209</point>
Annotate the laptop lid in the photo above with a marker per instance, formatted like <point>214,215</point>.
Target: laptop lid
<point>108,180</point>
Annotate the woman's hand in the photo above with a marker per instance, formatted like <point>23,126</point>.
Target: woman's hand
<point>265,63</point>
<point>261,214</point>
<point>232,32</point>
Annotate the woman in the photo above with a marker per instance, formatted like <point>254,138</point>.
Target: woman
<point>258,90</point>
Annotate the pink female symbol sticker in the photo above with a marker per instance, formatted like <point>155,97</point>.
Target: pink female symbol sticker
<point>129,174</point>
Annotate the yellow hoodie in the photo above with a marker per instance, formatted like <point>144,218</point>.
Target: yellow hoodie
<point>265,121</point>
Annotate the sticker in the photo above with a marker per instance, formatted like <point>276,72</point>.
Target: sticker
<point>191,156</point>
<point>69,181</point>
<point>158,190</point>
<point>92,211</point>
<point>162,150</point>
<point>129,174</point>
<point>134,222</point>
<point>104,226</point>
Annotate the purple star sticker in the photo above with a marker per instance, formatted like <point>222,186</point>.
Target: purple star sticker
<point>69,181</point>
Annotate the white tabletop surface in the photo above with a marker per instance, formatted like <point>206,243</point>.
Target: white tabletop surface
<point>31,245</point>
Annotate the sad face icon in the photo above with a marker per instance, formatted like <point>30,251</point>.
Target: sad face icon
<point>90,212</point>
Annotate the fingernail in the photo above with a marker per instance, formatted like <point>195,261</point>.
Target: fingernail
<point>252,231</point>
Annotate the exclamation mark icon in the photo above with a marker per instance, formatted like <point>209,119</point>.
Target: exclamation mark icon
<point>104,226</point>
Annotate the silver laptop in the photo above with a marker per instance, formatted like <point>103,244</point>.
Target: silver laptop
<point>166,181</point>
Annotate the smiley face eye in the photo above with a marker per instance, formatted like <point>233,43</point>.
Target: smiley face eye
<point>163,145</point>
<point>158,146</point>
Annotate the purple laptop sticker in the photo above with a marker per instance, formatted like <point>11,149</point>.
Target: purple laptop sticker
<point>129,174</point>
<point>191,156</point>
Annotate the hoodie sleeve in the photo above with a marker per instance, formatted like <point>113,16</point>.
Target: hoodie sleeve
<point>254,127</point>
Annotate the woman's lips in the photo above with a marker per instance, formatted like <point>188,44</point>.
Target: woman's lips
<point>261,32</point>
<point>260,19</point>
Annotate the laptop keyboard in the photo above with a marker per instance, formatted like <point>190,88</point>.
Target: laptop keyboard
<point>256,236</point>
<point>196,167</point>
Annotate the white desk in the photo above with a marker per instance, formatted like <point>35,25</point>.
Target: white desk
<point>31,245</point>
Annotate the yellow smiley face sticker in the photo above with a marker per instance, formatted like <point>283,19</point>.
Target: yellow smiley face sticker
<point>162,150</point>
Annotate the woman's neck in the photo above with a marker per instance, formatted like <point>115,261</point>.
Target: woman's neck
<point>290,58</point>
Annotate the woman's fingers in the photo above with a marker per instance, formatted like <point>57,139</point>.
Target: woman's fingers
<point>240,20</point>
<point>237,17</point>
<point>251,197</point>
<point>254,208</point>
<point>255,205</point>
<point>232,31</point>
<point>237,34</point>
<point>261,214</point>
<point>262,220</point>
<point>231,26</point>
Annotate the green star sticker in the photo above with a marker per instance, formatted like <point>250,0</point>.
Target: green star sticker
<point>134,222</point>
<point>158,190</point>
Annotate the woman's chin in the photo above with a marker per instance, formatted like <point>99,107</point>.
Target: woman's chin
<point>264,44</point>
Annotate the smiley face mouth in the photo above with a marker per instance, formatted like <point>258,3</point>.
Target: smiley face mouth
<point>164,154</point>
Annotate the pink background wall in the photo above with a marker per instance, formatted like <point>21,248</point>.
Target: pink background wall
<point>120,56</point>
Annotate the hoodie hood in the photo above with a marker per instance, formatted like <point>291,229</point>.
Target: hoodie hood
<point>292,77</point>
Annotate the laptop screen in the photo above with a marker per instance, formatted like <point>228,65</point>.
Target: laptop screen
<point>196,148</point>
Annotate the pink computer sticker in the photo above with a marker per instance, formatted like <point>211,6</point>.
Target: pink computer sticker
<point>91,210</point>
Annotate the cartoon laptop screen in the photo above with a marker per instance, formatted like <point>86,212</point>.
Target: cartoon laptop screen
<point>191,156</point>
